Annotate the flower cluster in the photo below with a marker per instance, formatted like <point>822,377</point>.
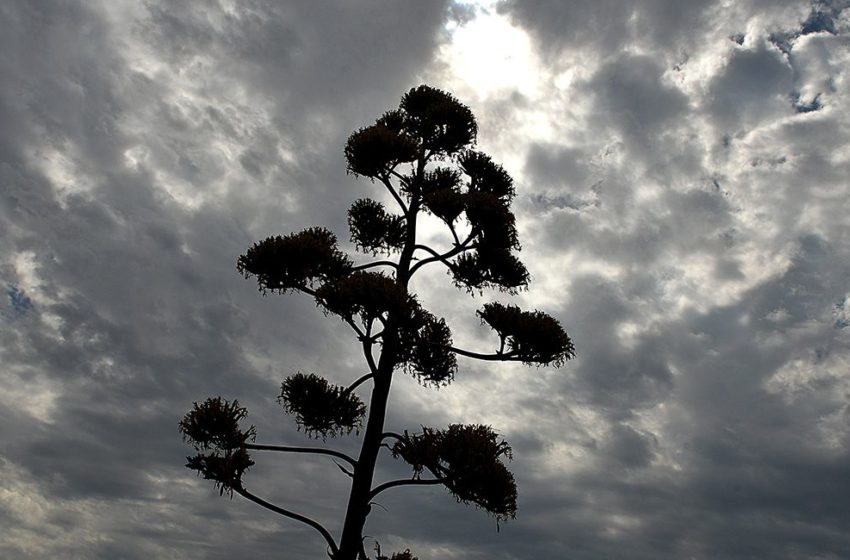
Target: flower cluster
<point>373,228</point>
<point>485,176</point>
<point>468,460</point>
<point>532,336</point>
<point>428,120</point>
<point>321,408</point>
<point>438,120</point>
<point>374,150</point>
<point>286,263</point>
<point>405,555</point>
<point>490,267</point>
<point>212,428</point>
<point>430,358</point>
<point>367,294</point>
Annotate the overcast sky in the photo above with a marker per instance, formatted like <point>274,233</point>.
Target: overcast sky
<point>682,179</point>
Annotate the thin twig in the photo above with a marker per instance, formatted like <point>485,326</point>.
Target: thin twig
<point>443,258</point>
<point>354,326</point>
<point>343,469</point>
<point>306,290</point>
<point>367,353</point>
<point>454,234</point>
<point>393,435</point>
<point>386,181</point>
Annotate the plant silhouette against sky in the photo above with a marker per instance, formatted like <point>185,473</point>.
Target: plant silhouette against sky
<point>422,154</point>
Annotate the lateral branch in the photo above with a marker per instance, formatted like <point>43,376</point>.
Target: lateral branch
<point>386,181</point>
<point>373,264</point>
<point>357,383</point>
<point>292,515</point>
<point>294,449</point>
<point>404,482</point>
<point>497,357</point>
<point>442,257</point>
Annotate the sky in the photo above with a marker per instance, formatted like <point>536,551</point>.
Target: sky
<point>682,200</point>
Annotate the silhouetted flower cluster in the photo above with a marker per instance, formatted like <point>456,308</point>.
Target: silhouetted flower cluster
<point>446,204</point>
<point>321,408</point>
<point>441,194</point>
<point>493,226</point>
<point>491,217</point>
<point>442,123</point>
<point>406,555</point>
<point>490,267</point>
<point>532,336</point>
<point>367,294</point>
<point>440,179</point>
<point>373,228</point>
<point>468,460</point>
<point>427,120</point>
<point>300,259</point>
<point>430,359</point>
<point>225,469</point>
<point>485,176</point>
<point>423,345</point>
<point>212,428</point>
<point>374,150</point>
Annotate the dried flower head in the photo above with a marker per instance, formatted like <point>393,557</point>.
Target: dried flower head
<point>468,459</point>
<point>533,336</point>
<point>286,263</point>
<point>321,409</point>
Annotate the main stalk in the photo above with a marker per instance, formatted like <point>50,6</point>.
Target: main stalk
<point>351,542</point>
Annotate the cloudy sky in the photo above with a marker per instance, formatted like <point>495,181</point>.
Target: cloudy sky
<point>682,177</point>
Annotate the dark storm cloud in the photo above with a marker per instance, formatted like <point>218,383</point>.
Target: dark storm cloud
<point>122,218</point>
<point>704,280</point>
<point>739,464</point>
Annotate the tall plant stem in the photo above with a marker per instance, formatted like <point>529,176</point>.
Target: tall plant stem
<point>350,543</point>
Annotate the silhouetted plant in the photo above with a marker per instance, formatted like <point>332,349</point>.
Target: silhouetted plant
<point>421,153</point>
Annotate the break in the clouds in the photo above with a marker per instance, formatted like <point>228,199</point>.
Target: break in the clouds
<point>683,206</point>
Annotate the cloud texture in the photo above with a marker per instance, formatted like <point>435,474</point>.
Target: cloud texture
<point>682,201</point>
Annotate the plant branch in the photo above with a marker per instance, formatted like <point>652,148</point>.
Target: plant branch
<point>400,177</point>
<point>386,181</point>
<point>291,449</point>
<point>443,258</point>
<point>454,234</point>
<point>354,326</point>
<point>306,290</point>
<point>497,357</point>
<point>357,383</point>
<point>375,264</point>
<point>292,515</point>
<point>367,353</point>
<point>404,482</point>
<point>343,469</point>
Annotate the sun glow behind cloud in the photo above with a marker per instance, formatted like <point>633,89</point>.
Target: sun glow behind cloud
<point>488,55</point>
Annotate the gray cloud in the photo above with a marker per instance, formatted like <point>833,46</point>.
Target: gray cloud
<point>754,85</point>
<point>686,220</point>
